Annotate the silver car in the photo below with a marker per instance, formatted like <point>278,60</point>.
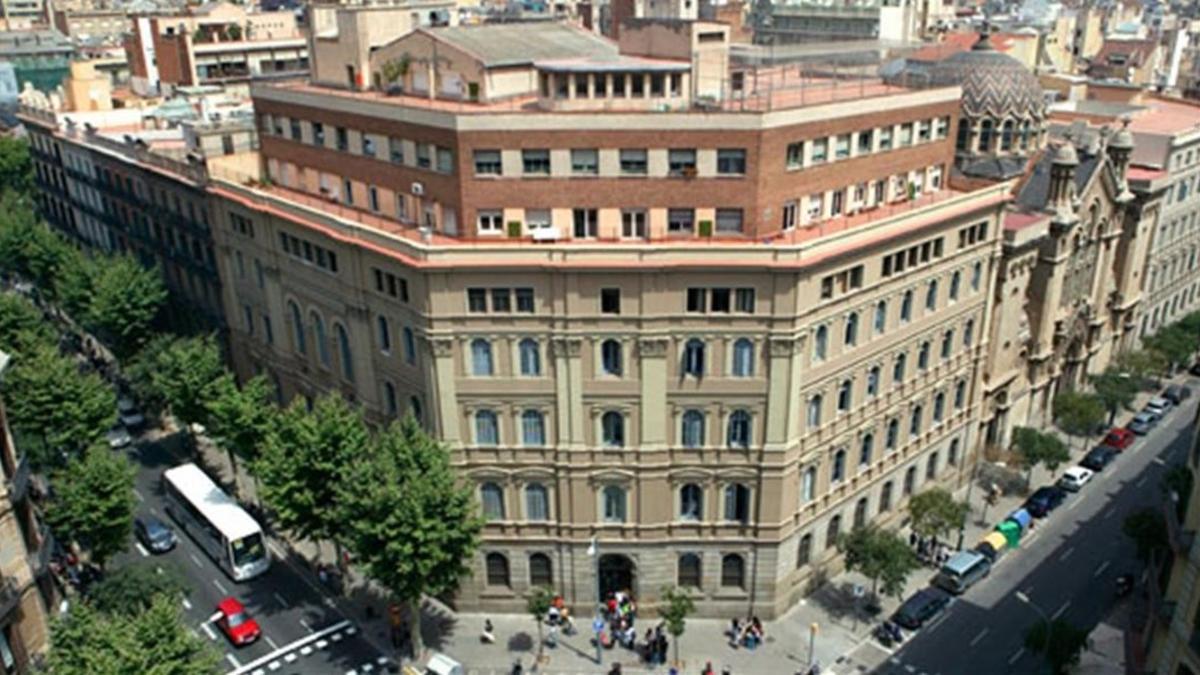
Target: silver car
<point>129,415</point>
<point>118,437</point>
<point>1159,407</point>
<point>1142,423</point>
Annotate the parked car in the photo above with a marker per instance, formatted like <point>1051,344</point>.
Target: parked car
<point>154,534</point>
<point>129,415</point>
<point>922,607</point>
<point>236,623</point>
<point>1142,423</point>
<point>1195,369</point>
<point>118,437</point>
<point>1098,458</point>
<point>1074,478</point>
<point>1159,407</point>
<point>1119,438</point>
<point>1044,500</point>
<point>1176,393</point>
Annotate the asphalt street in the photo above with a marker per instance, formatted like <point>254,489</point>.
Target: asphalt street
<point>303,633</point>
<point>1069,571</point>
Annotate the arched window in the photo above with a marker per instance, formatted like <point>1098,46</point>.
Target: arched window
<point>955,283</point>
<point>976,276</point>
<point>737,503</point>
<point>960,394</point>
<point>689,571</point>
<point>832,531</point>
<point>537,502</point>
<point>738,435</point>
<point>851,333</point>
<point>1006,136</point>
<point>347,359</point>
<point>866,449</point>
<point>1025,129</point>
<point>808,485</point>
<point>931,296</point>
<point>898,368</point>
<point>743,358</point>
<point>964,135</point>
<point>820,343</point>
<point>733,571</point>
<point>814,411</point>
<point>952,453</point>
<point>939,406</point>
<point>497,570</point>
<point>931,468</point>
<point>297,328</point>
<point>804,551</point>
<point>612,425</point>
<point>389,399</point>
<point>845,395</point>
<point>880,317</point>
<point>320,338</point>
<point>481,357</point>
<point>487,431</point>
<point>533,428</point>
<point>692,431</point>
<point>530,357</point>
<point>873,381</point>
<point>693,357</point>
<point>410,346</point>
<point>541,571</point>
<point>838,473</point>
<point>985,137</point>
<point>691,502</point>
<point>923,356</point>
<point>947,343</point>
<point>892,437</point>
<point>906,307</point>
<point>610,357</point>
<point>885,497</point>
<point>910,480</point>
<point>414,406</point>
<point>385,334</point>
<point>914,426</point>
<point>614,504</point>
<point>860,512</point>
<point>492,497</point>
<point>968,332</point>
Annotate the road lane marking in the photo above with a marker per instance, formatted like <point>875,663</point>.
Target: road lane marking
<point>275,549</point>
<point>1109,514</point>
<point>306,626</point>
<point>1066,554</point>
<point>977,638</point>
<point>187,604</point>
<point>212,635</point>
<point>1060,611</point>
<point>270,641</point>
<point>280,600</point>
<point>139,496</point>
<point>1074,503</point>
<point>301,643</point>
<point>1100,570</point>
<point>1141,481</point>
<point>928,629</point>
<point>1159,461</point>
<point>232,659</point>
<point>196,560</point>
<point>220,587</point>
<point>1013,659</point>
<point>141,549</point>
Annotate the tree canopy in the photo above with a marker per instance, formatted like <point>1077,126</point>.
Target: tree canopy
<point>1077,413</point>
<point>93,502</point>
<point>125,300</point>
<point>1035,447</point>
<point>1116,391</point>
<point>22,326</point>
<point>935,513</point>
<point>881,556</point>
<point>1148,530</point>
<point>182,374</point>
<point>16,167</point>
<point>1059,643</point>
<point>239,418</point>
<point>132,589</point>
<point>676,605</point>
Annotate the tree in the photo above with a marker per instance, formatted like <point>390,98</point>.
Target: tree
<point>1034,448</point>
<point>125,300</point>
<point>538,605</point>
<point>1077,413</point>
<point>1174,344</point>
<point>75,283</point>
<point>93,503</point>
<point>183,374</point>
<point>154,641</point>
<point>16,168</point>
<point>1142,364</point>
<point>305,459</point>
<point>879,555</point>
<point>22,326</point>
<point>1177,485</point>
<point>676,606</point>
<point>239,418</point>
<point>1059,642</point>
<point>409,521</point>
<point>49,401</point>
<point>935,513</point>
<point>132,589</point>
<point>1116,391</point>
<point>1148,530</point>
<point>234,32</point>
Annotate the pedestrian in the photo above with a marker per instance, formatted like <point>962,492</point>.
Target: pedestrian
<point>615,670</point>
<point>488,636</point>
<point>912,539</point>
<point>662,648</point>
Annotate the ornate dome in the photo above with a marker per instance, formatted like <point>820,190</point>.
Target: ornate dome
<point>994,85</point>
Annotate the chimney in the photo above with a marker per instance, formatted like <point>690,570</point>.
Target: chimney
<point>1120,147</point>
<point>1061,199</point>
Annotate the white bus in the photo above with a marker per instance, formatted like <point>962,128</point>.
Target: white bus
<point>222,528</point>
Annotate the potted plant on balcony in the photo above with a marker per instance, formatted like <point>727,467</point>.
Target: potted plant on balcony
<point>393,73</point>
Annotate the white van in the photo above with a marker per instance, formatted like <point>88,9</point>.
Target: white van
<point>962,570</point>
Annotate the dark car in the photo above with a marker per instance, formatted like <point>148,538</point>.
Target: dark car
<point>920,608</point>
<point>1098,457</point>
<point>154,534</point>
<point>1176,393</point>
<point>1195,369</point>
<point>1045,500</point>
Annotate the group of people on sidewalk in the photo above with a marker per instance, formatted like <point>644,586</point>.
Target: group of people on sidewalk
<point>748,633</point>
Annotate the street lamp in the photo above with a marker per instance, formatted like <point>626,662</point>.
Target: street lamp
<point>1045,617</point>
<point>593,550</point>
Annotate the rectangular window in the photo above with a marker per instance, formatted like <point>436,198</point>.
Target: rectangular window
<point>487,163</point>
<point>445,160</point>
<point>368,146</point>
<point>865,139</point>
<point>490,222</point>
<point>680,221</point>
<point>477,300</point>
<point>396,150</point>
<point>423,159</point>
<point>633,162</point>
<point>842,146</point>
<point>681,161</point>
<point>789,215</point>
<point>296,134</point>
<point>343,138</point>
<point>585,162</point>
<point>816,207</point>
<point>795,155</point>
<point>585,221</point>
<point>745,300</point>
<point>610,301</point>
<point>731,161</point>
<point>633,224</point>
<point>729,220</point>
<point>695,299</point>
<point>820,150</point>
<point>373,198</point>
<point>524,300</point>
<point>906,135</point>
<point>501,300</point>
<point>720,298</point>
<point>536,162</point>
<point>924,130</point>
<point>537,219</point>
<point>885,138</point>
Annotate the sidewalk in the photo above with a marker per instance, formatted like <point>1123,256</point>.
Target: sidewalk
<point>840,629</point>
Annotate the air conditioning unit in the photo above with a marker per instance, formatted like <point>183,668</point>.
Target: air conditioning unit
<point>418,189</point>
<point>545,234</point>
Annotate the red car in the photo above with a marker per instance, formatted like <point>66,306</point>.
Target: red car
<point>1119,439</point>
<point>237,625</point>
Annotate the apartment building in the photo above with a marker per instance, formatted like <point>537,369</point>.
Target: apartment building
<point>26,590</point>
